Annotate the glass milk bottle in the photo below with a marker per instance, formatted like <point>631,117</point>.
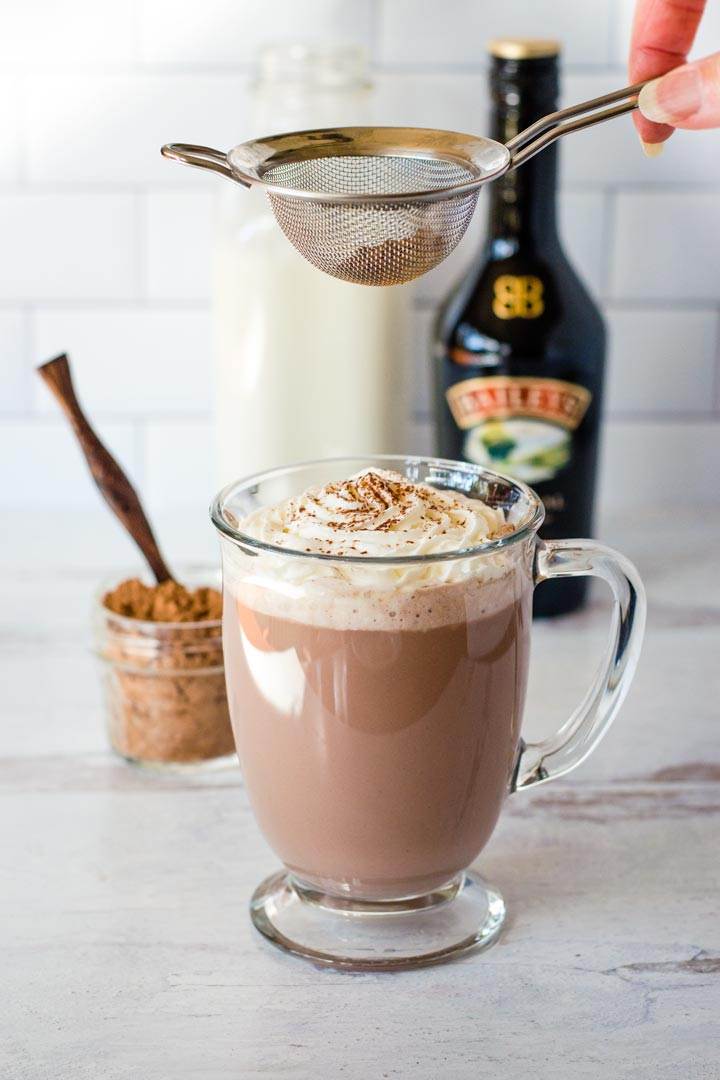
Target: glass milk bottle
<point>305,365</point>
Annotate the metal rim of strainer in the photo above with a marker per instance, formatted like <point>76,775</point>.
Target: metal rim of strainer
<point>483,159</point>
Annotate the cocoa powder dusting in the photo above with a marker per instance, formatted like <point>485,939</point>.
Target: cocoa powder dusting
<point>395,260</point>
<point>502,530</point>
<point>165,682</point>
<point>376,501</point>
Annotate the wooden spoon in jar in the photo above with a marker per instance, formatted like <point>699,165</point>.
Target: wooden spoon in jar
<point>114,485</point>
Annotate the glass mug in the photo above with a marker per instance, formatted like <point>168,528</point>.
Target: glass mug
<point>377,705</point>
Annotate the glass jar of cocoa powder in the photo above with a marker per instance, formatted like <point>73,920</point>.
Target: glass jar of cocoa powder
<point>163,671</point>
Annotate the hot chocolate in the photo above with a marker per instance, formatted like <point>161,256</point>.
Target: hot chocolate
<point>377,704</point>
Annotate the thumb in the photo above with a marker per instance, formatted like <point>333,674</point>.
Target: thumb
<point>687,97</point>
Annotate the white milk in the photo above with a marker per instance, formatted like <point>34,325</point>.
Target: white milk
<point>305,365</point>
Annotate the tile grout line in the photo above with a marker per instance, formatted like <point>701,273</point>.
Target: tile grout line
<point>243,68</point>
<point>684,417</point>
<point>103,416</point>
<point>611,304</point>
<point>164,305</point>
<point>103,187</point>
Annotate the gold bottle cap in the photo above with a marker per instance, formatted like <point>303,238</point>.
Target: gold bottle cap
<point>523,48</point>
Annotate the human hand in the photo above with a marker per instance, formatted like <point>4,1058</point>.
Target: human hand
<point>687,97</point>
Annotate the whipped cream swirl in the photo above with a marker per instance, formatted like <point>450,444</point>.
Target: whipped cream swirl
<point>376,513</point>
<point>383,515</point>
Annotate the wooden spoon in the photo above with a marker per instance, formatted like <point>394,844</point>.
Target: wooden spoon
<point>114,485</point>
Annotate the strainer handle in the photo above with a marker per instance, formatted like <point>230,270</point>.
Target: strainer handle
<point>202,157</point>
<point>529,142</point>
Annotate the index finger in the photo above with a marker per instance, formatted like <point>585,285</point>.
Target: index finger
<point>662,36</point>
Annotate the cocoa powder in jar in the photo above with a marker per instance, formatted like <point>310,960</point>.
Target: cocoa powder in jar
<point>164,673</point>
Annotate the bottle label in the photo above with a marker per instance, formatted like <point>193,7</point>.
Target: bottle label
<point>520,425</point>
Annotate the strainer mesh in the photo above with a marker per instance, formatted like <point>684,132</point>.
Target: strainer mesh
<point>379,174</point>
<point>372,243</point>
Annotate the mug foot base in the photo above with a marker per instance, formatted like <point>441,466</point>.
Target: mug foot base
<point>356,935</point>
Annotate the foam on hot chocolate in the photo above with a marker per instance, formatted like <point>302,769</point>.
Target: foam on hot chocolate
<point>376,514</point>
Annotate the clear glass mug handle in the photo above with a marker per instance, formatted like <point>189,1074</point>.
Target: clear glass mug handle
<point>580,734</point>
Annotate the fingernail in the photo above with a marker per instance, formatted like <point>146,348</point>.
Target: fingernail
<point>672,98</point>
<point>651,149</point>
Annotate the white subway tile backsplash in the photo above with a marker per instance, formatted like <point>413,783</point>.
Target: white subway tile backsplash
<point>129,361</point>
<point>642,462</point>
<point>67,246</point>
<point>452,101</point>
<point>666,463</point>
<point>109,129</point>
<point>10,133</point>
<point>41,464</point>
<point>457,31</point>
<point>107,247</point>
<point>178,242</point>
<point>665,246</point>
<point>13,373</point>
<point>583,231</point>
<point>610,153</point>
<point>42,34</point>
<point>661,361</point>
<point>229,32</point>
<point>178,465</point>
<point>648,346</point>
<point>179,469</point>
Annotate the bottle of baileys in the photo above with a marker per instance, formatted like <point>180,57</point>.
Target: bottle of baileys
<point>519,343</point>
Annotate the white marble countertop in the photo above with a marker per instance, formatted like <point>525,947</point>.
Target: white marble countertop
<point>126,946</point>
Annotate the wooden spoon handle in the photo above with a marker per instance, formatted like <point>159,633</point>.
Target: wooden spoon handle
<point>107,474</point>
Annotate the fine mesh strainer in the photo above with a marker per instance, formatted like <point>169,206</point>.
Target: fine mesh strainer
<point>383,205</point>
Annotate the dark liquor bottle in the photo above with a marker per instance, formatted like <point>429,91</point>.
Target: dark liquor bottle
<point>519,344</point>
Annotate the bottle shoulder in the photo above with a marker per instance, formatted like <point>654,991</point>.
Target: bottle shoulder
<point>527,304</point>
